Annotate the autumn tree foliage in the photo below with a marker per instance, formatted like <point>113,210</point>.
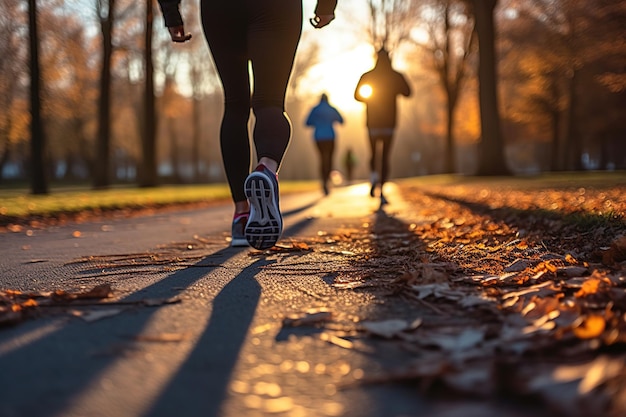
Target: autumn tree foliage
<point>449,41</point>
<point>391,22</point>
<point>555,75</point>
<point>70,94</point>
<point>14,118</point>
<point>562,70</point>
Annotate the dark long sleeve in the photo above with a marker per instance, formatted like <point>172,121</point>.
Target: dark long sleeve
<point>325,7</point>
<point>171,12</point>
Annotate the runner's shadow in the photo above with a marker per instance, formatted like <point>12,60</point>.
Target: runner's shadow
<point>215,355</point>
<point>71,354</point>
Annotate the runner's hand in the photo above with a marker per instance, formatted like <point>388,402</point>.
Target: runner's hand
<point>319,21</point>
<point>178,34</point>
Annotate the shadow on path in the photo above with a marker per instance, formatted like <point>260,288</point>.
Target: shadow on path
<point>209,367</point>
<point>66,355</point>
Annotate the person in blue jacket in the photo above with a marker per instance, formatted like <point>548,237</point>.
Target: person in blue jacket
<point>322,118</point>
<point>260,35</point>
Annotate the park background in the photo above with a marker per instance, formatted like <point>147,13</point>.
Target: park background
<point>121,104</point>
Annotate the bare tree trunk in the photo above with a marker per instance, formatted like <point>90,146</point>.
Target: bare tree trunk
<point>148,176</point>
<point>555,148</point>
<point>450,163</point>
<point>451,44</point>
<point>195,145</point>
<point>4,158</point>
<point>573,156</point>
<point>492,159</point>
<point>39,183</point>
<point>103,155</point>
<point>174,152</point>
<point>450,96</point>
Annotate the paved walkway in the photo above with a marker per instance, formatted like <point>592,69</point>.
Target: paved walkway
<point>196,328</point>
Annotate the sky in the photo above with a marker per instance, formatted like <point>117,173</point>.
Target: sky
<point>344,58</point>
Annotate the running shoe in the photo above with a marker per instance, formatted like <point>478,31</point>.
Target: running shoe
<point>374,181</point>
<point>265,224</point>
<point>238,237</point>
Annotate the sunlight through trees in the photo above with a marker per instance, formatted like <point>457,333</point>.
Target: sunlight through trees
<point>508,86</point>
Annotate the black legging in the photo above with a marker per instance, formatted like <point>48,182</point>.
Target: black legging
<point>385,153</point>
<point>326,150</point>
<point>266,33</point>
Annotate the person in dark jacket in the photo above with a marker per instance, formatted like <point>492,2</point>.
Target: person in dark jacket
<point>378,89</point>
<point>322,118</point>
<point>266,34</point>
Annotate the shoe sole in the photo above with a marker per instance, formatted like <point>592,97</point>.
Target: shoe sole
<point>265,224</point>
<point>239,242</point>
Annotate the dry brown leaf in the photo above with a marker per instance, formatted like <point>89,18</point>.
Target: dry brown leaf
<point>572,271</point>
<point>308,319</point>
<point>97,292</point>
<point>29,303</point>
<point>601,370</point>
<point>518,265</point>
<point>389,328</point>
<point>336,340</point>
<point>155,302</point>
<point>593,285</point>
<point>161,337</point>
<point>591,326</point>
<point>94,315</point>
<point>616,252</point>
<point>353,285</point>
<point>465,339</point>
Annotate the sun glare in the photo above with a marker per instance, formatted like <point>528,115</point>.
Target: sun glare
<point>338,77</point>
<point>365,91</point>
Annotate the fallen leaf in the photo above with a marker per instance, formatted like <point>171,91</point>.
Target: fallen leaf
<point>93,315</point>
<point>336,340</point>
<point>456,342</point>
<point>474,380</point>
<point>30,303</point>
<point>353,285</point>
<point>155,302</point>
<point>518,265</point>
<point>601,370</point>
<point>308,318</point>
<point>161,337</point>
<point>474,300</point>
<point>592,326</point>
<point>97,292</point>
<point>572,271</point>
<point>389,328</point>
<point>616,253</point>
<point>261,329</point>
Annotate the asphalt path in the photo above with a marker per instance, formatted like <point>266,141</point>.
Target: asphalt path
<point>198,327</point>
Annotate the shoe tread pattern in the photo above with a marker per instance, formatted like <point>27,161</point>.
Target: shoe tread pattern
<point>264,226</point>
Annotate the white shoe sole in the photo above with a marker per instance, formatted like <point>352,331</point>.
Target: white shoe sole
<point>239,242</point>
<point>265,224</point>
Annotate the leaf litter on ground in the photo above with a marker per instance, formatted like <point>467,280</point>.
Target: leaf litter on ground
<point>526,292</point>
<point>91,305</point>
<point>531,282</point>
